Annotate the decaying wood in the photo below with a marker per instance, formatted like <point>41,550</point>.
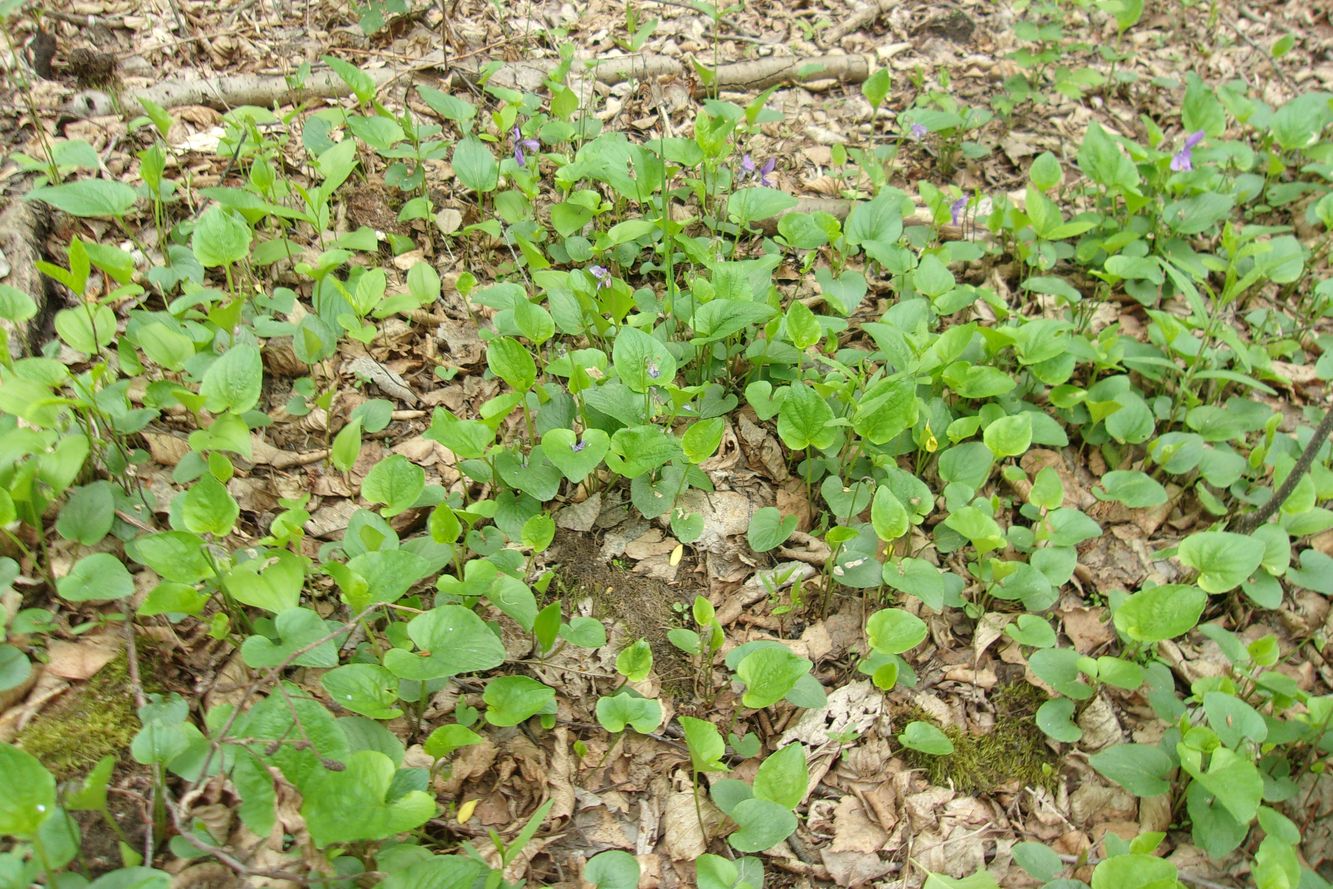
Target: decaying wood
<point>22,226</point>
<point>265,90</point>
<point>763,73</point>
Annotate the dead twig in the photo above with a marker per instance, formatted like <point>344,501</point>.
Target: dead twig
<point>856,21</point>
<point>1249,41</point>
<point>1247,523</point>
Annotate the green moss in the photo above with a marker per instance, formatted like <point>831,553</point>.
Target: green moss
<point>1014,750</point>
<point>89,722</point>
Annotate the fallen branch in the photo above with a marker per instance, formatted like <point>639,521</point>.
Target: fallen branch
<point>22,228</point>
<point>266,90</point>
<point>763,73</point>
<point>838,208</point>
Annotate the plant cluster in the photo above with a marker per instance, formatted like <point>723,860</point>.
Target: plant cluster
<point>633,315</point>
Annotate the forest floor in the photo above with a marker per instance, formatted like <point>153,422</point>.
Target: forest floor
<point>876,813</point>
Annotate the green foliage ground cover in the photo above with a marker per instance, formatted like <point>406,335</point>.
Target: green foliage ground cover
<point>636,313</point>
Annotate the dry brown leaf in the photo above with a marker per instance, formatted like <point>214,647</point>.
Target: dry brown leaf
<point>854,830</point>
<point>1088,628</point>
<point>82,659</point>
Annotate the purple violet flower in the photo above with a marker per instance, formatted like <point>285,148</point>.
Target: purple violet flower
<point>653,370</point>
<point>602,275</point>
<point>579,445</point>
<point>1183,161</point>
<point>766,170</point>
<point>957,209</point>
<point>750,171</point>
<point>918,132</point>
<point>521,145</point>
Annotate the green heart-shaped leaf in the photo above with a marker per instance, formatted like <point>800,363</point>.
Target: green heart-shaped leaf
<point>575,457</point>
<point>350,805</point>
<point>297,628</point>
<point>451,640</point>
<point>368,689</point>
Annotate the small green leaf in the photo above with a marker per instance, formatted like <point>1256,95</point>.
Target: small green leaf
<point>511,361</point>
<point>87,329</point>
<point>207,508</point>
<point>888,516</point>
<point>221,237</point>
<point>88,514</point>
<point>769,529</point>
<point>802,326</point>
<point>704,743</point>
<point>894,631</point>
<point>783,777</point>
<point>475,165</point>
<point>1045,171</point>
<point>1134,871</point>
<point>612,869</point>
<point>396,482</point>
<point>234,380</point>
<point>926,738</point>
<point>87,197</point>
<point>763,823</point>
<point>96,577</point>
<point>1032,631</point>
<point>1136,490</point>
<point>1235,781</point>
<point>702,438</point>
<point>1039,860</point>
<point>368,689</point>
<point>1009,436</point>
<point>805,419</point>
<point>617,711</point>
<point>636,661</point>
<point>886,409</point>
<point>1141,769</point>
<point>448,738</point>
<point>1055,718</point>
<point>576,457</point>
<point>876,87</point>
<point>642,360</point>
<point>31,795</point>
<point>15,668</point>
<point>1224,560</point>
<point>273,584</point>
<point>1161,612</point>
<point>769,673</point>
<point>982,879</point>
<point>451,640</point>
<point>1233,719</point>
<point>513,699</point>
<point>297,629</point>
<point>359,802</point>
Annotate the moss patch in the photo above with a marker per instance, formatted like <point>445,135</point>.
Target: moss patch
<point>86,724</point>
<point>1014,750</point>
